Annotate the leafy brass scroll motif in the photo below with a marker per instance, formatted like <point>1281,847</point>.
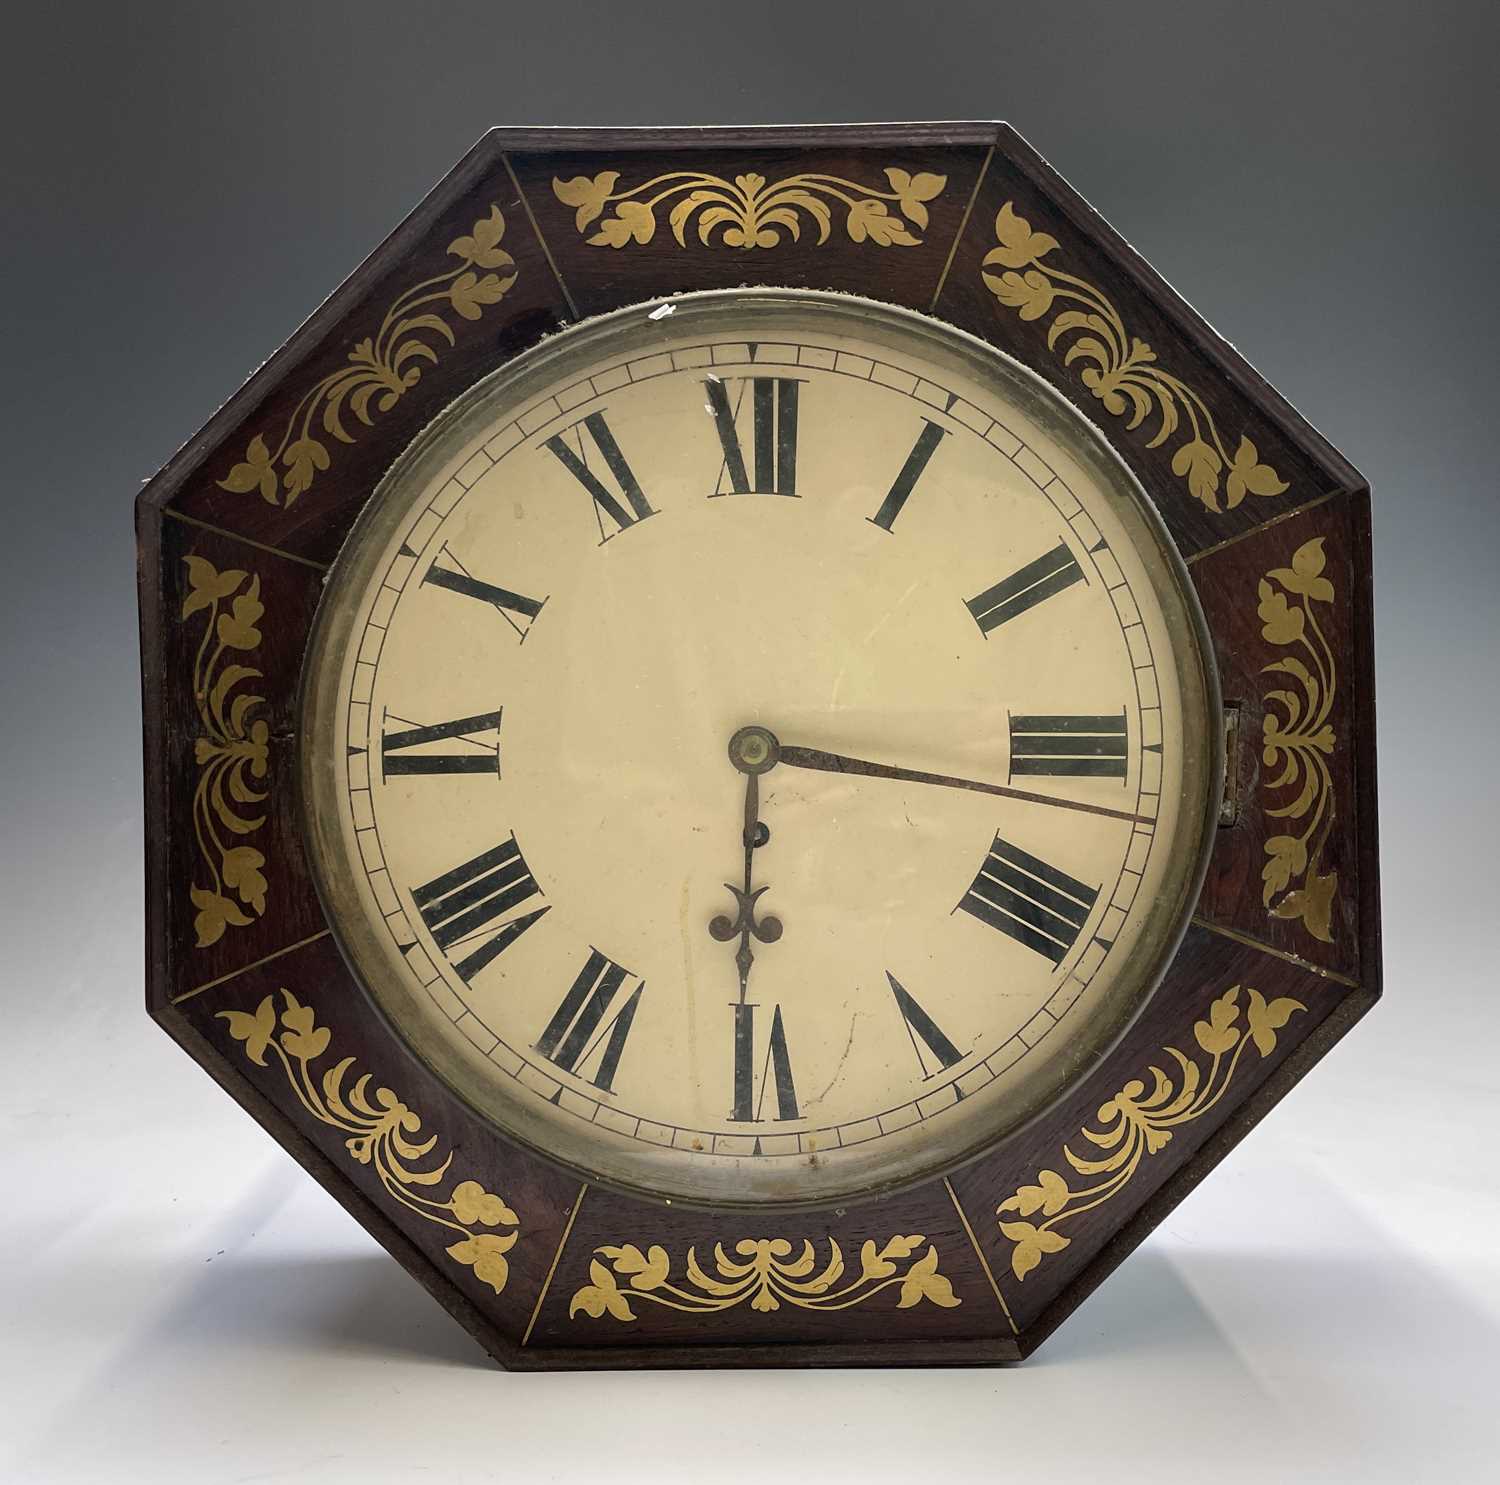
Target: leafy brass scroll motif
<point>382,367</point>
<point>1137,1124</point>
<point>751,211</point>
<point>383,1133</point>
<point>1299,738</point>
<point>1120,369</point>
<point>231,751</point>
<point>763,1273</point>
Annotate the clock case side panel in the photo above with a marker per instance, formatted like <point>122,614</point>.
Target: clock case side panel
<point>1173,397</point>
<point>223,625</point>
<point>485,1216</point>
<point>327,1172</point>
<point>1181,1184</point>
<point>646,1280</point>
<point>291,457</point>
<point>1108,1213</point>
<point>1297,869</point>
<point>631,215</point>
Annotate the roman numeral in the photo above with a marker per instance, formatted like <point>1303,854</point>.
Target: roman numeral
<point>920,1027</point>
<point>1025,589</point>
<point>606,502</point>
<point>1036,904</point>
<point>775,1069</point>
<point>916,461</point>
<point>395,757</point>
<point>773,412</point>
<point>460,908</point>
<point>1069,747</point>
<point>448,572</point>
<point>578,1026</point>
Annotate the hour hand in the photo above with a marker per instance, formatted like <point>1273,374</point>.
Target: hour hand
<point>752,750</point>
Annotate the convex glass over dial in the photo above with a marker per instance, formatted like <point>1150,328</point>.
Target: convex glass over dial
<point>759,747</point>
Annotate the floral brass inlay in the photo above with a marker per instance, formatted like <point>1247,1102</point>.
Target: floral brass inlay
<point>1136,1124</point>
<point>1121,371</point>
<point>230,751</point>
<point>1300,739</point>
<point>764,1273</point>
<point>382,368</point>
<point>384,1134</point>
<point>753,212</point>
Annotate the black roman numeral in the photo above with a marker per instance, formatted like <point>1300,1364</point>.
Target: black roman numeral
<point>606,502</point>
<point>920,1027</point>
<point>1036,904</point>
<point>928,439</point>
<point>1025,589</point>
<point>773,404</point>
<point>396,756</point>
<point>448,572</point>
<point>575,1031</point>
<point>1069,747</point>
<point>775,1070</point>
<point>460,908</point>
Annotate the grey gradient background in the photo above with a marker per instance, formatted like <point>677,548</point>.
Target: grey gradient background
<point>183,183</point>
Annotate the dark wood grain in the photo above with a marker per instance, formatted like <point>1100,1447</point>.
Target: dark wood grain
<point>1229,585</point>
<point>289,593</point>
<point>533,1321</point>
<point>313,524</point>
<point>1171,338</point>
<point>541,1195</point>
<point>600,277</point>
<point>1205,968</point>
<point>607,1219</point>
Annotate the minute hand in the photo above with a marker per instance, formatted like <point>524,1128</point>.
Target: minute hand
<point>817,759</point>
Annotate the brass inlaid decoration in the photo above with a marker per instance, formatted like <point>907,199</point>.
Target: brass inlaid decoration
<point>1299,738</point>
<point>383,1133</point>
<point>1120,369</point>
<point>231,751</point>
<point>382,367</point>
<point>1136,1123</point>
<point>751,211</point>
<point>763,1273</point>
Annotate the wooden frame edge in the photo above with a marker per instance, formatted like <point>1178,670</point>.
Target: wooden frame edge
<point>329,1178</point>
<point>1299,1062</point>
<point>1228,358</point>
<point>305,340</point>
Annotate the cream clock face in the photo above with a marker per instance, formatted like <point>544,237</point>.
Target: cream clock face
<point>758,747</point>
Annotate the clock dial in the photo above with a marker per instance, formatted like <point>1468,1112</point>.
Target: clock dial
<point>760,748</point>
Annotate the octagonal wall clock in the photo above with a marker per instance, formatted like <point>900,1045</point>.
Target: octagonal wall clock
<point>759,746</point>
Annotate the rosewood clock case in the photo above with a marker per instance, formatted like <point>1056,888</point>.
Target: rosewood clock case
<point>533,231</point>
